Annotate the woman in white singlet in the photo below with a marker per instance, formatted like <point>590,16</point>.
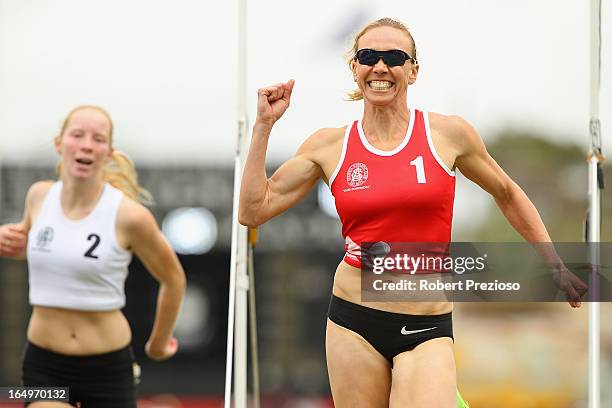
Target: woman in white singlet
<point>79,234</point>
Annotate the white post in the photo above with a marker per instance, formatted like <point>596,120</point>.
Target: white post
<point>253,319</point>
<point>239,282</point>
<point>594,221</point>
<point>594,310</point>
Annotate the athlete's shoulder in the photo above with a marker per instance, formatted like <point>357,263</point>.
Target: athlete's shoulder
<point>135,223</point>
<point>132,215</point>
<point>322,145</point>
<point>453,124</point>
<point>38,191</point>
<point>34,199</point>
<point>455,130</point>
<point>323,138</point>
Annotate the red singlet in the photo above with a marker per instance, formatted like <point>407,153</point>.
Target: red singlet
<point>402,195</point>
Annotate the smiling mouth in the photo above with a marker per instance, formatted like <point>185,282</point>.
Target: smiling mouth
<point>85,162</point>
<point>380,85</point>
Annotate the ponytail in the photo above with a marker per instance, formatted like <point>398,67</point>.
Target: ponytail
<point>121,174</point>
<point>354,95</point>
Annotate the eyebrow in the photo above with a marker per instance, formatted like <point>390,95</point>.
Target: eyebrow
<point>78,129</point>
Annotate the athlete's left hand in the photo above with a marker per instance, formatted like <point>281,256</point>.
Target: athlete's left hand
<point>573,287</point>
<point>163,352</point>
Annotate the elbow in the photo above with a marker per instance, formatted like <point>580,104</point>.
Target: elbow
<point>505,196</point>
<point>249,220</point>
<point>249,217</point>
<point>181,281</point>
<point>178,282</point>
<point>244,216</point>
<point>253,210</point>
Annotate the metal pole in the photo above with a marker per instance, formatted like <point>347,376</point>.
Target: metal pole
<point>595,183</point>
<point>253,319</point>
<point>239,283</point>
<point>240,338</point>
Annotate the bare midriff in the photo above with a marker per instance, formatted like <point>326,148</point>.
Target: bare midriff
<point>78,333</point>
<point>347,285</point>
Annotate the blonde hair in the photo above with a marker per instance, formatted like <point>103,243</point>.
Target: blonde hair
<point>356,95</point>
<point>120,171</point>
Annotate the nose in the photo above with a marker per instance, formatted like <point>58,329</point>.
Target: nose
<point>87,143</point>
<point>380,67</point>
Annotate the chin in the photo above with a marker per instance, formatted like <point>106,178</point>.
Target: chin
<point>82,176</point>
<point>380,100</point>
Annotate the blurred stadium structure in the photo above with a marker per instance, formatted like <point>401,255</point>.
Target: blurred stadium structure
<point>508,355</point>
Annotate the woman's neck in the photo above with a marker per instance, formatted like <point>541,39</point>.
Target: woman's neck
<point>385,123</point>
<point>80,195</point>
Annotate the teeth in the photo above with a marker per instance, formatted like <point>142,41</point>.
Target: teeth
<point>380,85</point>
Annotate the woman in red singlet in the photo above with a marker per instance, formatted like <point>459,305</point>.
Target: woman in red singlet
<point>392,176</point>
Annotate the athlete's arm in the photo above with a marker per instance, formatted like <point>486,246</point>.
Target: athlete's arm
<point>262,198</point>
<point>14,237</point>
<point>477,165</point>
<point>144,238</point>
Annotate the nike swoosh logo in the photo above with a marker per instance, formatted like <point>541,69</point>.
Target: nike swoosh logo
<point>405,332</point>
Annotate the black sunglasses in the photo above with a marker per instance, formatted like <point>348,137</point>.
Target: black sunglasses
<point>393,58</point>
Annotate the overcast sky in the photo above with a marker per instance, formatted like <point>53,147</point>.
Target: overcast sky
<point>167,71</point>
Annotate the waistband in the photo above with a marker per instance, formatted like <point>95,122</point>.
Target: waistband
<point>337,302</point>
<point>123,355</point>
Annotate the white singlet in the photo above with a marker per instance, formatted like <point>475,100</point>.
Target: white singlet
<point>77,264</point>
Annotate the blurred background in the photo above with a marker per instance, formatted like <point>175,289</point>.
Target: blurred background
<point>166,72</point>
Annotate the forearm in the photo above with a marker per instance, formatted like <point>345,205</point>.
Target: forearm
<point>254,179</point>
<point>524,217</point>
<point>169,300</point>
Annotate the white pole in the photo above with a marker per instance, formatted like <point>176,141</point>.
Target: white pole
<point>253,319</point>
<point>239,282</point>
<point>594,221</point>
<point>594,310</point>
